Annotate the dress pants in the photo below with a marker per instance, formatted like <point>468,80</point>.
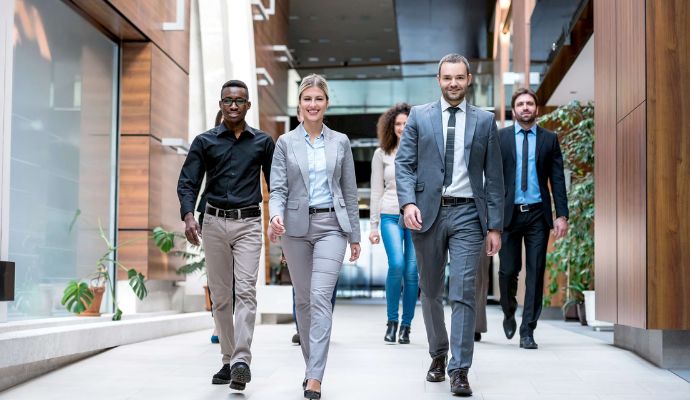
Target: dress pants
<point>531,227</point>
<point>314,261</point>
<point>456,232</point>
<point>232,248</point>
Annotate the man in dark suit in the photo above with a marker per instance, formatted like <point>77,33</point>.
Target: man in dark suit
<point>532,164</point>
<point>450,188</point>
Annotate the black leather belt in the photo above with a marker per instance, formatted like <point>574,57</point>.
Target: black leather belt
<point>321,210</point>
<point>247,212</point>
<point>455,201</point>
<point>527,207</point>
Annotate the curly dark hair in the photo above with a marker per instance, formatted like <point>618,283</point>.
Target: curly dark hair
<point>385,127</point>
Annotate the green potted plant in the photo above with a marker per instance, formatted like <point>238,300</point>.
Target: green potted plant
<point>195,259</point>
<point>573,255</point>
<point>83,297</point>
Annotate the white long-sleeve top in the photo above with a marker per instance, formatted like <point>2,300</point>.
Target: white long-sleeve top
<point>384,198</point>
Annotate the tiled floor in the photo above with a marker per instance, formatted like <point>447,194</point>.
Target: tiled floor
<point>568,365</point>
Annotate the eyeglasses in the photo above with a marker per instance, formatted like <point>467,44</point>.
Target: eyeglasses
<point>239,101</point>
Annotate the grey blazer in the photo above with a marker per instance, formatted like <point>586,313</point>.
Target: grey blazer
<point>290,182</point>
<point>419,164</point>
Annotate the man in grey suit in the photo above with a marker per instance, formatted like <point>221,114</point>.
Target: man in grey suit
<point>450,188</point>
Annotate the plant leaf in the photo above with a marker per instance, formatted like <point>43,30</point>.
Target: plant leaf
<point>136,281</point>
<point>118,314</point>
<point>163,239</point>
<point>77,297</point>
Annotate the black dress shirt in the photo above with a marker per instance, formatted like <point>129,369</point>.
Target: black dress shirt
<point>232,167</point>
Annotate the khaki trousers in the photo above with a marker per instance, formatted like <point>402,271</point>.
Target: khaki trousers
<point>233,248</point>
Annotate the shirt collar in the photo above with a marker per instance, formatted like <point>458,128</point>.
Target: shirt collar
<point>222,129</point>
<point>445,105</point>
<point>306,134</point>
<point>518,128</point>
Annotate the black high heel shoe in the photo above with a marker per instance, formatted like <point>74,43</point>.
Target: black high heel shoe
<point>310,394</point>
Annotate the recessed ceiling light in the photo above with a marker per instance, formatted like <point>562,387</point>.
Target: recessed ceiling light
<point>324,40</point>
<point>356,59</point>
<point>294,17</point>
<point>331,59</point>
<point>313,59</point>
<point>305,41</point>
<point>361,76</point>
<point>375,59</point>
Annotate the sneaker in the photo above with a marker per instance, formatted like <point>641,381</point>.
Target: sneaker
<point>222,377</point>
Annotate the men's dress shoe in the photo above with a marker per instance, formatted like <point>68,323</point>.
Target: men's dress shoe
<point>222,377</point>
<point>404,337</point>
<point>240,375</point>
<point>295,338</point>
<point>391,330</point>
<point>437,370</point>
<point>477,337</point>
<point>509,326</point>
<point>458,382</point>
<point>528,342</point>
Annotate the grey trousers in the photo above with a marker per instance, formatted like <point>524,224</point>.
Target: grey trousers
<point>456,232</point>
<point>482,289</point>
<point>233,248</point>
<point>314,261</point>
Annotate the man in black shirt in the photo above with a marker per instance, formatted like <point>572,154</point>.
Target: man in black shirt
<point>232,156</point>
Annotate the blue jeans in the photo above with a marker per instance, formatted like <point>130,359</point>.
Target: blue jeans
<point>402,269</point>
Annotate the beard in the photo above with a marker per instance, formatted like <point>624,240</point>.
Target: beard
<point>528,119</point>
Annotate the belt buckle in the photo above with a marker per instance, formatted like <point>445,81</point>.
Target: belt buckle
<point>524,207</point>
<point>239,213</point>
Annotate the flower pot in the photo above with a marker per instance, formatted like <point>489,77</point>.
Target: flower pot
<point>582,313</point>
<point>209,304</point>
<point>570,313</point>
<point>94,310</point>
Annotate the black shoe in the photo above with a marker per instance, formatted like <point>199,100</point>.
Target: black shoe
<point>391,330</point>
<point>304,384</point>
<point>222,377</point>
<point>437,370</point>
<point>295,338</point>
<point>477,337</point>
<point>528,342</point>
<point>240,375</point>
<point>404,337</point>
<point>312,394</point>
<point>509,326</point>
<point>458,382</point>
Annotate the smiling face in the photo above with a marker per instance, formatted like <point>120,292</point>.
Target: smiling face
<point>525,109</point>
<point>233,112</point>
<point>399,124</point>
<point>313,104</point>
<point>454,81</point>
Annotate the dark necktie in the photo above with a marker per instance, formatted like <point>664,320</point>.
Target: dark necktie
<point>450,147</point>
<point>525,160</point>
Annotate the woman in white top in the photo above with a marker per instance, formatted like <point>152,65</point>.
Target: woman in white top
<point>385,212</point>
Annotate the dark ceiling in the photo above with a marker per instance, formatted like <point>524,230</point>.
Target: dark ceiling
<point>372,39</point>
<point>549,19</point>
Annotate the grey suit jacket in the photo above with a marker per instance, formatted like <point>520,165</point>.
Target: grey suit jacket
<point>419,164</point>
<point>290,182</point>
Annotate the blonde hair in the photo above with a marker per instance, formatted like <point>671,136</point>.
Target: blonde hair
<point>313,80</point>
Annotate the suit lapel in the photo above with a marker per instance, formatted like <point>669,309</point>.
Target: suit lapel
<point>540,142</point>
<point>510,137</point>
<point>331,151</point>
<point>437,127</point>
<point>299,149</point>
<point>470,124</point>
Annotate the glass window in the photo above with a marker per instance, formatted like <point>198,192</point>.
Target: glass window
<point>64,112</point>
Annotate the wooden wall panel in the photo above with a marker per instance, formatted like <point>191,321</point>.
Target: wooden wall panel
<point>169,97</point>
<point>102,13</point>
<point>632,219</point>
<point>668,176</point>
<point>134,166</point>
<point>148,16</point>
<point>135,98</point>
<point>630,55</point>
<point>605,249</point>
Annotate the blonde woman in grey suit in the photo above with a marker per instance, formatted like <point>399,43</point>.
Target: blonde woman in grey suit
<point>313,206</point>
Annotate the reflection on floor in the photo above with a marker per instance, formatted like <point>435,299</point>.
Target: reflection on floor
<point>568,365</point>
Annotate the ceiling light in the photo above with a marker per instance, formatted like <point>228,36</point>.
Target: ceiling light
<point>305,41</point>
<point>356,59</point>
<point>313,59</point>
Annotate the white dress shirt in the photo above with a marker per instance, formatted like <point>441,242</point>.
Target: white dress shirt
<point>460,183</point>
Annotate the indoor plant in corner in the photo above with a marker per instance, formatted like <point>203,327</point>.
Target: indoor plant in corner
<point>573,255</point>
<point>84,297</point>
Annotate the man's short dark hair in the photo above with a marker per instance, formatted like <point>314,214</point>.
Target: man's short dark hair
<point>454,58</point>
<point>234,83</point>
<point>520,92</point>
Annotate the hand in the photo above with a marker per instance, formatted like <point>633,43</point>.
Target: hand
<point>412,217</point>
<point>374,237</point>
<point>192,230</point>
<point>560,227</point>
<point>277,225</point>
<point>493,243</point>
<point>355,249</point>
<point>272,235</point>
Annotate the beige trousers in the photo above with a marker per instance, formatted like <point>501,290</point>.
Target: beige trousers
<point>233,248</point>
